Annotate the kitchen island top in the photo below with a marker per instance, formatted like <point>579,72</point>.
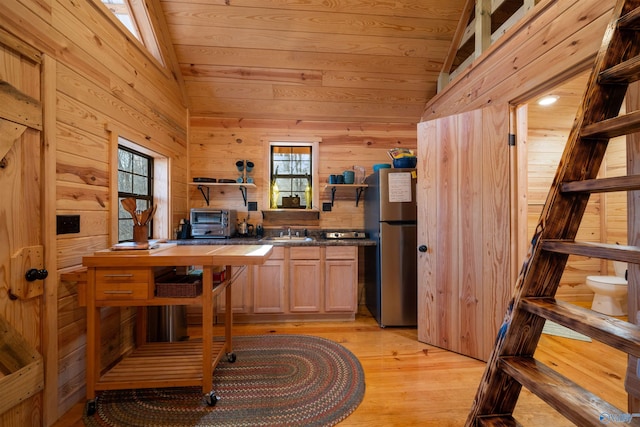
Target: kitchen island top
<point>169,254</point>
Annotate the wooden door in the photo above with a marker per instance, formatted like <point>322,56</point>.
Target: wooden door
<point>464,279</point>
<point>21,247</point>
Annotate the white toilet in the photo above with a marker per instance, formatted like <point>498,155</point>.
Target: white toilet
<point>610,291</point>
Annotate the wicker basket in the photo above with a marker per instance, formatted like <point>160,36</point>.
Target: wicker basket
<point>179,286</point>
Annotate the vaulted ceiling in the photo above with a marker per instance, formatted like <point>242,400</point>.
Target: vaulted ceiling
<point>312,60</point>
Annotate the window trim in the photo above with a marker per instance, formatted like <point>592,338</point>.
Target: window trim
<point>312,142</point>
<point>161,182</point>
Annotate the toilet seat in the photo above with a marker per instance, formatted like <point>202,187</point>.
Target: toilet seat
<point>608,280</point>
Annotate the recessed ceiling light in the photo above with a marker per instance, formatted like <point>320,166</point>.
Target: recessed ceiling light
<point>548,100</point>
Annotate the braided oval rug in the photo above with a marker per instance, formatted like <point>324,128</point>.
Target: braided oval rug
<point>276,380</point>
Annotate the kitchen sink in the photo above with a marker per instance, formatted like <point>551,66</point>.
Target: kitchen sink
<point>291,239</point>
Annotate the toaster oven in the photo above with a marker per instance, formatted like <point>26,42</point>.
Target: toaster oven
<point>213,223</point>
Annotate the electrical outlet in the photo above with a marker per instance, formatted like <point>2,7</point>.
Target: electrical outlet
<point>67,224</point>
<point>326,207</point>
<point>252,206</point>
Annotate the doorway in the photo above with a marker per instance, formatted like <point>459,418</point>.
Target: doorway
<point>546,129</point>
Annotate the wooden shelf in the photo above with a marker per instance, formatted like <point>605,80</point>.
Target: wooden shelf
<point>207,185</point>
<point>158,364</point>
<point>334,187</point>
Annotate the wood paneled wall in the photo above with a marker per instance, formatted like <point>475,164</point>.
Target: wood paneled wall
<point>105,82</point>
<point>555,41</point>
<point>216,144</point>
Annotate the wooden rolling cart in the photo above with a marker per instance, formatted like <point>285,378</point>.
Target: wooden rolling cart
<point>128,279</point>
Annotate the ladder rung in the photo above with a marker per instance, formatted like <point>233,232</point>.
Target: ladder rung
<point>602,185</point>
<point>615,333</point>
<point>630,21</point>
<point>610,128</point>
<point>575,403</point>
<point>622,253</point>
<point>626,72</point>
<point>498,421</point>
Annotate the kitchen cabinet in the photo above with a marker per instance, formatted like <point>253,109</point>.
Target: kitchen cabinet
<point>241,297</point>
<point>305,279</point>
<point>298,282</point>
<point>341,279</point>
<point>269,284</point>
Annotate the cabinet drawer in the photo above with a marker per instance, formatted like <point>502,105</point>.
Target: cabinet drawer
<point>341,252</point>
<point>307,252</point>
<point>117,284</point>
<point>277,252</point>
<point>121,291</point>
<point>122,275</point>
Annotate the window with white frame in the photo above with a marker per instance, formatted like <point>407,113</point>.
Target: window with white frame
<point>292,174</point>
<point>135,18</point>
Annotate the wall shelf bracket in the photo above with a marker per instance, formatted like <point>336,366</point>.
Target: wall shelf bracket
<point>358,187</point>
<point>206,196</point>
<point>243,190</point>
<point>359,191</point>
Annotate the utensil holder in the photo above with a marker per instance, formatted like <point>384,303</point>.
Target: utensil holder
<point>140,233</point>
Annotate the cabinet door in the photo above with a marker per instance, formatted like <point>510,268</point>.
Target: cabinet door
<point>268,287</point>
<point>341,285</point>
<point>240,292</point>
<point>305,280</point>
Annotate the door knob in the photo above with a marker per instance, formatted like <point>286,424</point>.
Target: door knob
<point>422,248</point>
<point>35,274</point>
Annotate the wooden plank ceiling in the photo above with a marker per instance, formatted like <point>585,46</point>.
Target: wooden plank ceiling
<point>312,60</point>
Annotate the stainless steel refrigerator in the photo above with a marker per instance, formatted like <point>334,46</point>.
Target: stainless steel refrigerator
<point>390,266</point>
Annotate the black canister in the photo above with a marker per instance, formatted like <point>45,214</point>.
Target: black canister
<point>185,229</point>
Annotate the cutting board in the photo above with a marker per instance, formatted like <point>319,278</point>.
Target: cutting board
<point>129,248</point>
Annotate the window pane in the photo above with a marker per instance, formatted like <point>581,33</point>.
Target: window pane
<point>121,212</point>
<point>140,165</point>
<point>140,185</point>
<point>142,204</point>
<point>125,160</point>
<point>124,182</point>
<point>125,230</point>
<point>284,185</point>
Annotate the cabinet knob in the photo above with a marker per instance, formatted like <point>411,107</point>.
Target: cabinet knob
<point>422,248</point>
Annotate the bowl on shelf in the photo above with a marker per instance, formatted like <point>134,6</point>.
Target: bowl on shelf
<point>405,162</point>
<point>379,166</point>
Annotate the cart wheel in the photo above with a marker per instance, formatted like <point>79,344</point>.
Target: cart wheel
<point>91,407</point>
<point>211,399</point>
<point>231,357</point>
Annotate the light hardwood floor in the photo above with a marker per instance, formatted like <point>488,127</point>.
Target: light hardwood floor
<point>409,383</point>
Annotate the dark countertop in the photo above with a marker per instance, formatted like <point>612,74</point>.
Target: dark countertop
<point>254,240</point>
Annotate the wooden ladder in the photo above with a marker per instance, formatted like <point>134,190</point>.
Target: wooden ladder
<point>511,364</point>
